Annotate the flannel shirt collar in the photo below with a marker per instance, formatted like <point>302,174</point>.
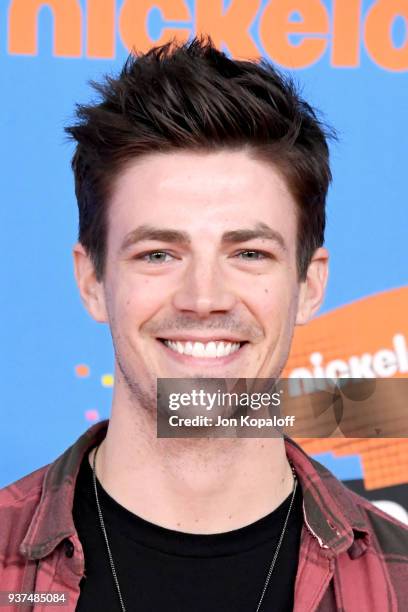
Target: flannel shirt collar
<point>330,513</point>
<point>330,510</point>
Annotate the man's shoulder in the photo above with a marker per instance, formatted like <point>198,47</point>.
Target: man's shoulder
<point>27,490</point>
<point>386,529</point>
<point>342,519</point>
<point>376,515</point>
<point>23,491</point>
<point>18,503</point>
<point>36,510</point>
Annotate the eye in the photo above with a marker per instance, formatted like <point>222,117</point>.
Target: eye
<point>253,255</point>
<point>155,257</point>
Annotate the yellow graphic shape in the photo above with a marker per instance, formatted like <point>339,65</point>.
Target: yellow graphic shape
<point>107,380</point>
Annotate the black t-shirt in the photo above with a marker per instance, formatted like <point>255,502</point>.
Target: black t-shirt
<point>159,569</point>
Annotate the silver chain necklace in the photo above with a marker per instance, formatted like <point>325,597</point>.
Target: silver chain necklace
<point>113,569</point>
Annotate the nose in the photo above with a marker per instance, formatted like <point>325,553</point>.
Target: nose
<point>203,290</point>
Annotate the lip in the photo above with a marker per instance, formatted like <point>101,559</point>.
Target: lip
<point>202,361</point>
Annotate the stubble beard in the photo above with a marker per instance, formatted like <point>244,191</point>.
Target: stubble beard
<point>143,396</point>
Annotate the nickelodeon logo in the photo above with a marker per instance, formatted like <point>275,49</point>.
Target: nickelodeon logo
<point>365,339</point>
<point>293,33</point>
<point>383,363</point>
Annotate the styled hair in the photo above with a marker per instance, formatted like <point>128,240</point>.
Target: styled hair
<point>191,96</point>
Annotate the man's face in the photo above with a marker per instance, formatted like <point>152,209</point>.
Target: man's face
<point>201,276</point>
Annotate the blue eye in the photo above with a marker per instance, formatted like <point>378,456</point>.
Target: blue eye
<point>155,257</point>
<point>252,255</point>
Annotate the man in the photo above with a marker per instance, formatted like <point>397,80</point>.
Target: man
<point>201,184</point>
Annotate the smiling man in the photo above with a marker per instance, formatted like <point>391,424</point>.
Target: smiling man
<point>201,184</point>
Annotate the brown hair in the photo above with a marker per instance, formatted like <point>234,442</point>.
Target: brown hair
<point>192,96</point>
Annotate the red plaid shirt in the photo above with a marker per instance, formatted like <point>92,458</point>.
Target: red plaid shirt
<point>353,557</point>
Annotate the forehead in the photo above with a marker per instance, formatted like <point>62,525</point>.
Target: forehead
<point>207,192</point>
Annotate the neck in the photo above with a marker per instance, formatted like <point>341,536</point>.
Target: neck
<point>191,485</point>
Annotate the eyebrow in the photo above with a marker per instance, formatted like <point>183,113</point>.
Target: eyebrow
<point>149,232</point>
<point>261,230</point>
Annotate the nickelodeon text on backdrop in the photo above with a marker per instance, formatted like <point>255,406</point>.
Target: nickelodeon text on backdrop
<point>293,33</point>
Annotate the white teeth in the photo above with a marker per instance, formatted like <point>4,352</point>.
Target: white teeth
<point>188,348</point>
<point>220,349</point>
<point>198,349</point>
<point>211,349</point>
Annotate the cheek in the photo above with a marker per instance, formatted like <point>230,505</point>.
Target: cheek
<point>273,305</point>
<point>137,301</point>
<point>270,303</point>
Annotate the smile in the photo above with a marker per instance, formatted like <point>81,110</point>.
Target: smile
<point>212,349</point>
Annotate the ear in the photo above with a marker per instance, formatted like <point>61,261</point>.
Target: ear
<point>91,290</point>
<point>312,289</point>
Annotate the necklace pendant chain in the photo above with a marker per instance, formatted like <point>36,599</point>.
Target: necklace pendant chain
<point>112,564</point>
<point>275,556</point>
<point>105,535</point>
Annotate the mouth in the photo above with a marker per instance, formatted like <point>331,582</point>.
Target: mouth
<point>213,350</point>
